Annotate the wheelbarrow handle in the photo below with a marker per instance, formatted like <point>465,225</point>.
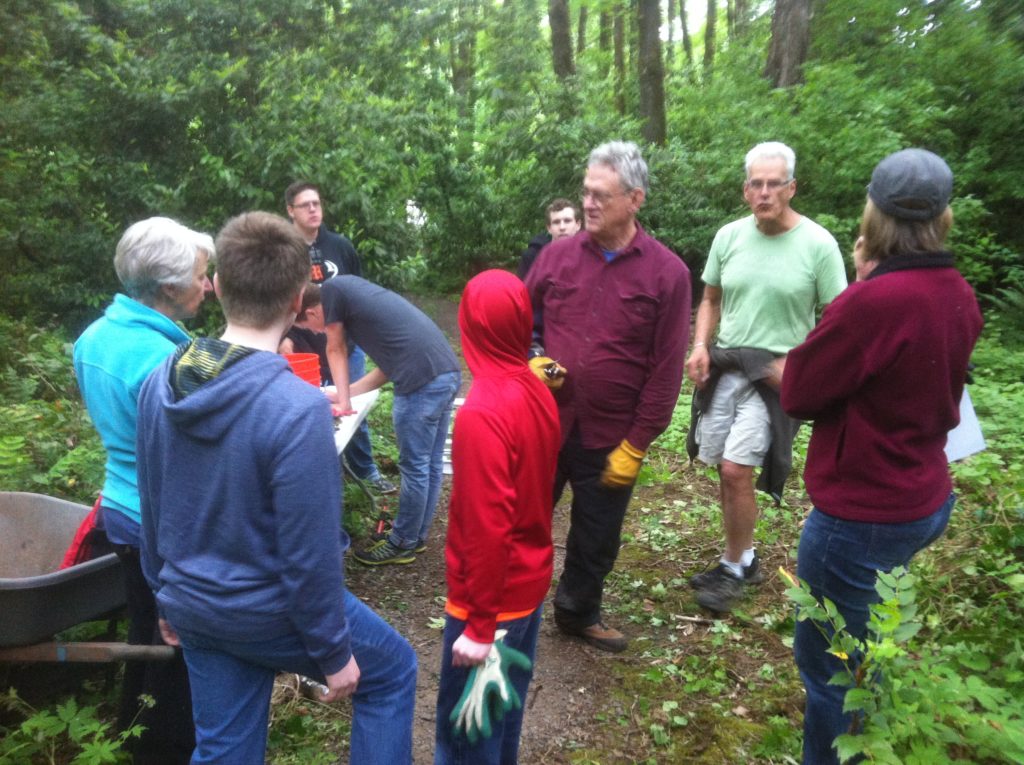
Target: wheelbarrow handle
<point>86,652</point>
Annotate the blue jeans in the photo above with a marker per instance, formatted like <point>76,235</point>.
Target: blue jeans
<point>839,560</point>
<point>502,748</point>
<point>232,681</point>
<point>421,427</point>
<point>359,454</point>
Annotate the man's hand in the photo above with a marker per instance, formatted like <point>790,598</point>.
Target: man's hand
<point>622,466</point>
<point>698,366</point>
<point>775,370</point>
<point>466,652</point>
<point>548,371</point>
<point>168,634</point>
<point>342,683</point>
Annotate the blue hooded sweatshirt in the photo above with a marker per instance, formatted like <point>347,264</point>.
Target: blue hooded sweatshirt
<point>241,501</point>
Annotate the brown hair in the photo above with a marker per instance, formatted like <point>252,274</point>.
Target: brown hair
<point>886,236</point>
<point>560,204</point>
<point>262,264</point>
<point>310,299</point>
<point>297,188</point>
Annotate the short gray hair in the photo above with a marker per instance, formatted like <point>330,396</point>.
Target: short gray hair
<point>624,158</point>
<point>155,252</point>
<point>772,150</point>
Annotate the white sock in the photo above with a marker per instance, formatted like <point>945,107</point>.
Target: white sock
<point>735,568</point>
<point>748,557</point>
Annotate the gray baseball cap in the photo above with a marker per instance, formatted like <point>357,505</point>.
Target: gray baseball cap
<point>912,184</point>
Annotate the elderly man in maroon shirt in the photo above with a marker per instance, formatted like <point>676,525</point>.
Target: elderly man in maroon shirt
<point>612,306</point>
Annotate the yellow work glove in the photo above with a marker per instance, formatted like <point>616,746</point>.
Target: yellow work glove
<point>623,466</point>
<point>548,371</point>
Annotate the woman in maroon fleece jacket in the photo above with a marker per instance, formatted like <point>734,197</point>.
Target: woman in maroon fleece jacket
<point>499,552</point>
<point>881,377</point>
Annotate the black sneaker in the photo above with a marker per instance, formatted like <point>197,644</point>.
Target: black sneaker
<point>752,574</point>
<point>720,589</point>
<point>383,486</point>
<point>421,546</point>
<point>382,553</point>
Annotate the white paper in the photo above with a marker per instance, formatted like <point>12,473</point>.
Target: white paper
<point>966,438</point>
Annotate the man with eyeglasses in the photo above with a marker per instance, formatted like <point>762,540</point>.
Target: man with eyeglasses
<point>330,255</point>
<point>612,306</point>
<point>765,276</point>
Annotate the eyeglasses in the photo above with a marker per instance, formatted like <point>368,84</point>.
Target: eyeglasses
<point>600,198</point>
<point>313,204</point>
<point>772,185</point>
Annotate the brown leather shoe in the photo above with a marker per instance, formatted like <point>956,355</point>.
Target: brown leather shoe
<point>605,638</point>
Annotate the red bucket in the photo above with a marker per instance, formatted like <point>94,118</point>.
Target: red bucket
<point>306,366</point>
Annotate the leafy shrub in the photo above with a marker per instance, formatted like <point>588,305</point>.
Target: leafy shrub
<point>918,702</point>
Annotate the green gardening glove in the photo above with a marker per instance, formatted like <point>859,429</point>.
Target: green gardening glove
<point>488,692</point>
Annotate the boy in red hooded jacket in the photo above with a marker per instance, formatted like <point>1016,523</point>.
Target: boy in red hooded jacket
<point>499,552</point>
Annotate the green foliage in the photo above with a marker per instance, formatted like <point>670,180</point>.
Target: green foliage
<point>66,733</point>
<point>918,703</point>
<point>47,442</point>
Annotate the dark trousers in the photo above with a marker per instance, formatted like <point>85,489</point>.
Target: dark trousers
<point>595,528</point>
<point>169,737</point>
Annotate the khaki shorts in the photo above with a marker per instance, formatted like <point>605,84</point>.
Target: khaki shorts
<point>736,426</point>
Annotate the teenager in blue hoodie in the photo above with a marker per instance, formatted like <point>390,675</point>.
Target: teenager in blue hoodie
<point>242,540</point>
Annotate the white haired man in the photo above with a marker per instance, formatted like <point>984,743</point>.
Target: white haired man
<point>612,305</point>
<point>765,276</point>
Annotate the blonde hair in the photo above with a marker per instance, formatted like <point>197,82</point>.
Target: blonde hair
<point>886,236</point>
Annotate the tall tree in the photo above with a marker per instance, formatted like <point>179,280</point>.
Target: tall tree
<point>791,37</point>
<point>561,38</point>
<point>619,36</point>
<point>709,37</point>
<point>651,72</point>
<point>687,42</point>
<point>670,14</point>
<point>581,30</point>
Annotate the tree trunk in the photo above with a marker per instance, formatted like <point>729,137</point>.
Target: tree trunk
<point>581,31</point>
<point>651,72</point>
<point>741,16</point>
<point>462,57</point>
<point>604,40</point>
<point>791,37</point>
<point>561,38</point>
<point>687,42</point>
<point>619,36</point>
<point>670,48</point>
<point>709,38</point>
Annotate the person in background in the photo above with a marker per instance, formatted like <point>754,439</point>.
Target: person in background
<point>881,376</point>
<point>309,333</point>
<point>330,255</point>
<point>563,221</point>
<point>162,268</point>
<point>612,306</point>
<point>499,553</point>
<point>765,276</point>
<point>243,550</point>
<point>413,353</point>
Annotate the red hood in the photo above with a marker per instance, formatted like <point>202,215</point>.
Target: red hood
<point>496,323</point>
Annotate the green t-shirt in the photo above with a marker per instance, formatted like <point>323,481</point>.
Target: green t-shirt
<point>771,285</point>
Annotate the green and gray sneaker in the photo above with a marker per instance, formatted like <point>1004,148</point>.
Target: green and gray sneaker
<point>382,553</point>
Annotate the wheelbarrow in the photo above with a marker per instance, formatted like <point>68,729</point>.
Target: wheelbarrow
<point>37,600</point>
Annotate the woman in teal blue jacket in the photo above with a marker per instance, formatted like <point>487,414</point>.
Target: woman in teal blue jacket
<point>162,267</point>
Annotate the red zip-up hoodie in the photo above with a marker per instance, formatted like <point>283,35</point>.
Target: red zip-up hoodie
<point>504,450</point>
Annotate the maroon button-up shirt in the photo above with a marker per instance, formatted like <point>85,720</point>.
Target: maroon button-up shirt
<point>620,329</point>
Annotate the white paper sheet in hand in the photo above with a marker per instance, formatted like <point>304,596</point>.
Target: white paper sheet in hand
<point>966,438</point>
<point>345,427</point>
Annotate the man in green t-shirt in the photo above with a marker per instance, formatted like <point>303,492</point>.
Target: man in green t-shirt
<point>766,274</point>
